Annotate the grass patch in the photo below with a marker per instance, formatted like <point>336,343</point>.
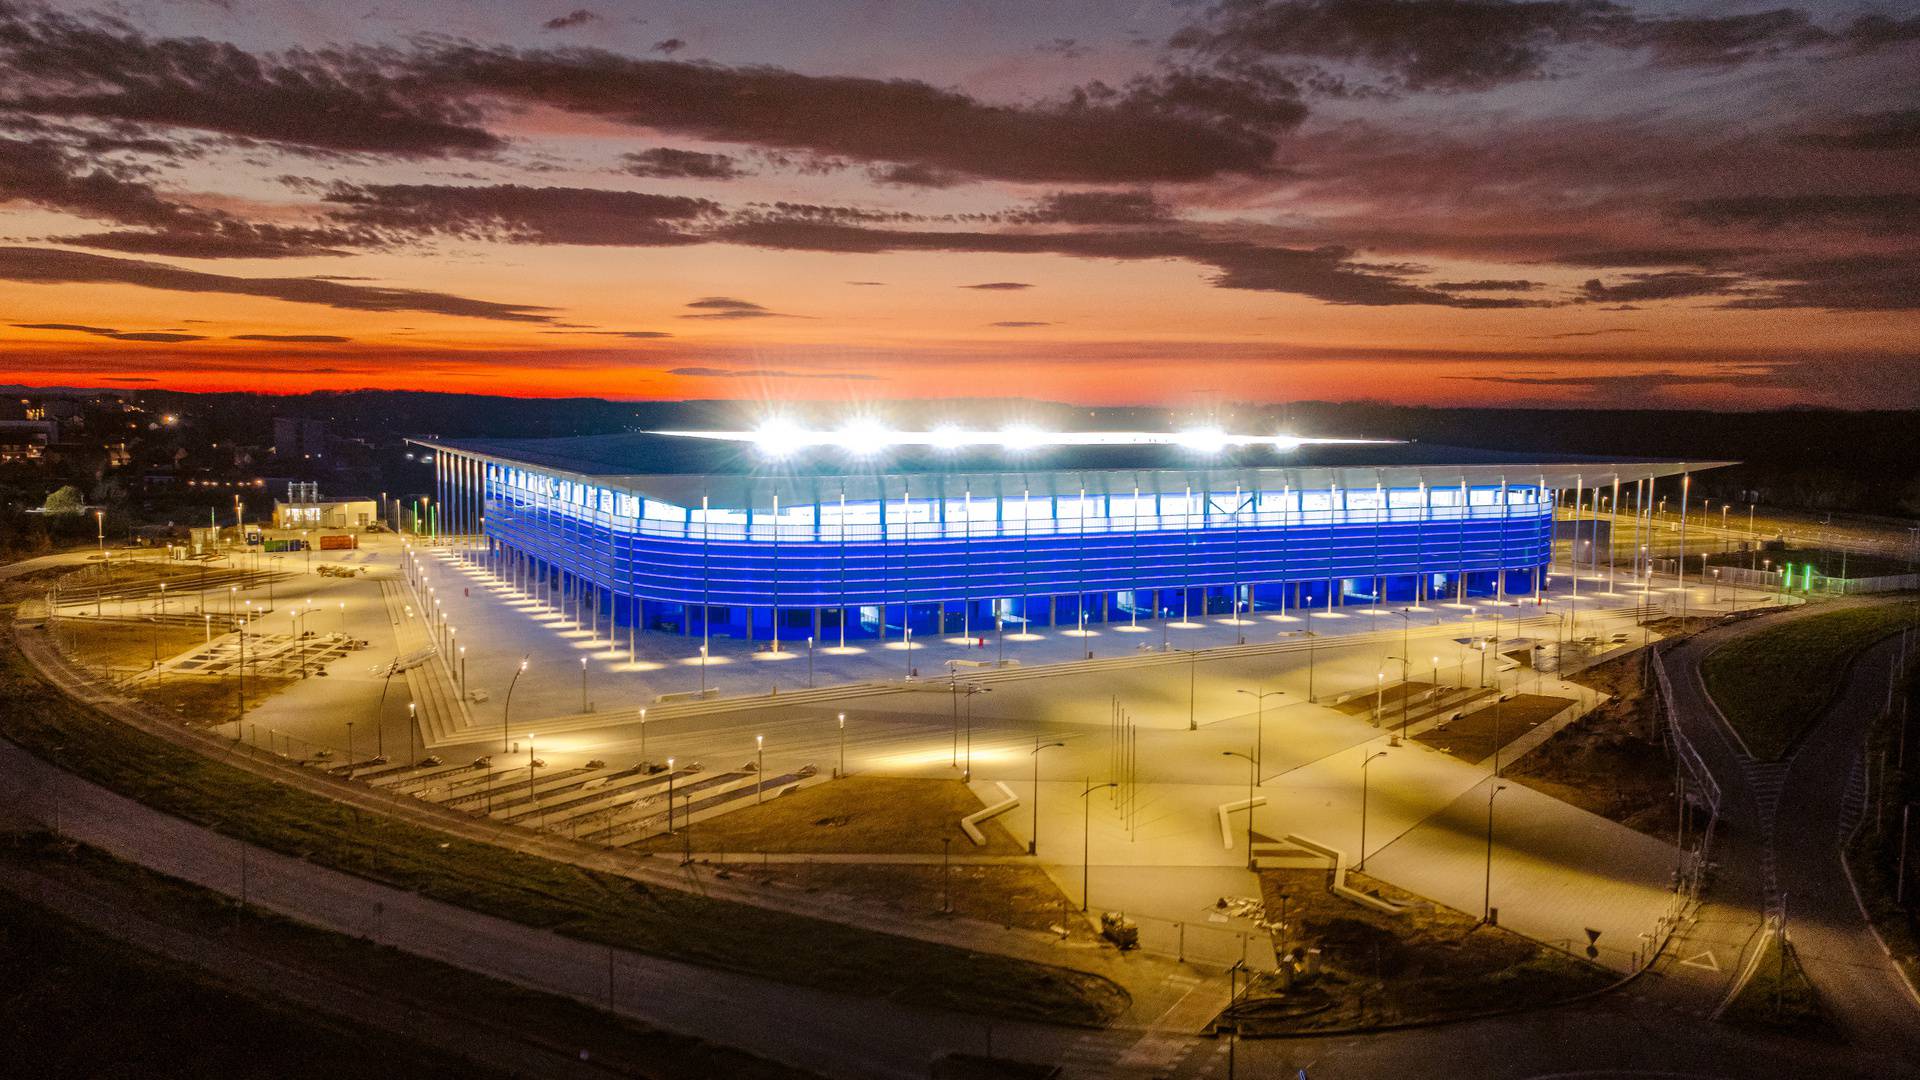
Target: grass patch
<point>1021,897</point>
<point>399,982</point>
<point>1856,564</point>
<point>1429,963</point>
<point>856,815</point>
<point>1874,854</point>
<point>1473,737</point>
<point>1773,684</point>
<point>78,1005</point>
<point>1611,761</point>
<point>592,906</point>
<point>1779,996</point>
<point>124,647</point>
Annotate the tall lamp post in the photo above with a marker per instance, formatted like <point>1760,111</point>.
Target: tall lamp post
<point>506,709</point>
<point>759,768</point>
<point>1253,767</point>
<point>1486,898</point>
<point>843,745</point>
<point>1033,838</point>
<point>1086,836</point>
<point>1260,718</point>
<point>966,772</point>
<point>1364,771</point>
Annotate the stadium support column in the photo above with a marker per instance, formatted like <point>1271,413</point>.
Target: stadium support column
<point>1500,575</point>
<point>1573,547</point>
<point>774,612</point>
<point>966,555</point>
<point>1466,514</point>
<point>844,607</point>
<point>1680,560</point>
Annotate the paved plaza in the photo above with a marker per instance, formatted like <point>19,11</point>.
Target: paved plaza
<point>1156,711</point>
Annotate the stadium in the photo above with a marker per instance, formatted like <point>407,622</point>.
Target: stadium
<point>782,533</point>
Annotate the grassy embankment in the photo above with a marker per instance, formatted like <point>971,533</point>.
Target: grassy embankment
<point>591,906</point>
<point>99,1002</point>
<point>1773,684</point>
<point>1874,855</point>
<point>882,816</point>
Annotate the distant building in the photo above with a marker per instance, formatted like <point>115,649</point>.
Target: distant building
<point>295,437</point>
<point>27,440</point>
<point>303,508</point>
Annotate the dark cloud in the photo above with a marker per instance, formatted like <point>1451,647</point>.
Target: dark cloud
<point>766,373</point>
<point>1326,273</point>
<point>866,283</point>
<point>46,266</point>
<point>999,286</point>
<point>1588,333</point>
<point>296,339</point>
<point>47,173</point>
<point>1092,139</point>
<point>521,214</point>
<point>576,17</point>
<point>1065,48</point>
<point>340,100</point>
<point>666,163</point>
<point>77,328</point>
<point>1865,282</point>
<point>1019,323</point>
<point>1676,256</point>
<point>1664,285</point>
<point>1455,45</point>
<point>1880,213</point>
<point>637,335</point>
<point>1489,285</point>
<point>728,307</point>
<point>1096,208</point>
<point>1897,130</point>
<point>669,46</point>
<point>915,175</point>
<point>117,335</point>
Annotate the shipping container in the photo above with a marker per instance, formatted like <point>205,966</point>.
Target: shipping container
<point>339,542</point>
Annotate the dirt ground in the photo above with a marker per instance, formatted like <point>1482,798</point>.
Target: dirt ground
<point>1375,968</point>
<point>1472,737</point>
<point>124,647</point>
<point>857,815</point>
<point>1388,699</point>
<point>882,815</point>
<point>1022,897</point>
<point>1611,761</point>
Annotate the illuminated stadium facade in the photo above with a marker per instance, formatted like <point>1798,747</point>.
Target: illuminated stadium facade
<point>779,536</point>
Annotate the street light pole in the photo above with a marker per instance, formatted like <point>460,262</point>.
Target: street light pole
<point>1364,771</point>
<point>1260,718</point>
<point>1086,836</point>
<point>1486,900</point>
<point>759,768</point>
<point>1033,838</point>
<point>1253,767</point>
<point>506,709</point>
<point>843,745</point>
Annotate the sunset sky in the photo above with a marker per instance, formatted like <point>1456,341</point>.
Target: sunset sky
<point>1140,201</point>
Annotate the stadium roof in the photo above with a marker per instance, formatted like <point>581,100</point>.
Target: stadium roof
<point>682,470</point>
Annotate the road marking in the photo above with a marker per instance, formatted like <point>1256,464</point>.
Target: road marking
<point>1705,961</point>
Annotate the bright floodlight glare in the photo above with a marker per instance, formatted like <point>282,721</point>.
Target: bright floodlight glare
<point>947,437</point>
<point>776,438</point>
<point>863,437</point>
<point>1284,443</point>
<point>1205,440</point>
<point>1021,437</point>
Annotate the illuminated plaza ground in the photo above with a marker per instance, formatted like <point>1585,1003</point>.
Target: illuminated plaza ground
<point>1160,855</point>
